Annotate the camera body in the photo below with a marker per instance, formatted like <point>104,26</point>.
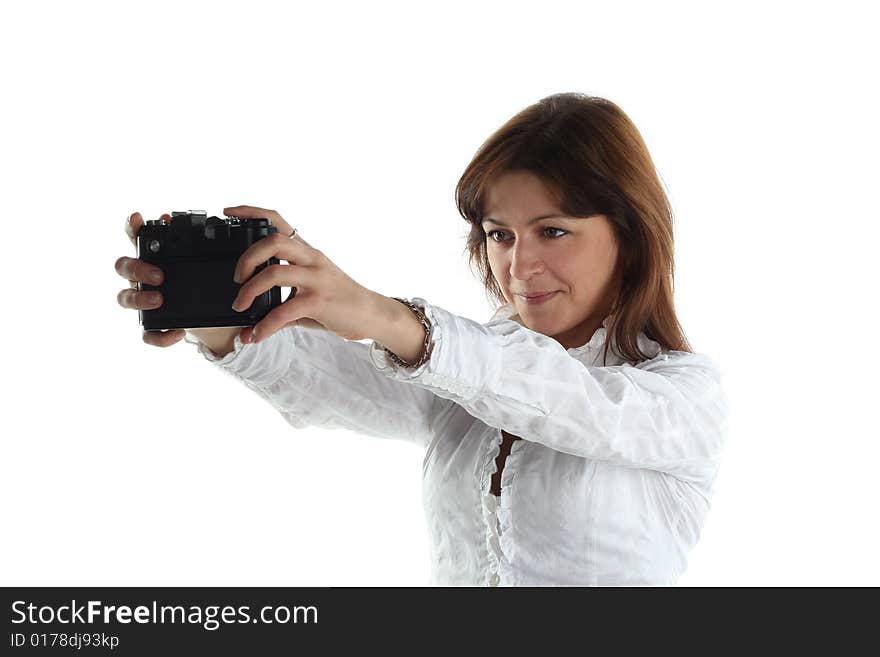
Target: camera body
<point>198,255</point>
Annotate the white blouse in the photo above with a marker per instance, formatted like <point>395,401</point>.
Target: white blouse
<point>610,484</point>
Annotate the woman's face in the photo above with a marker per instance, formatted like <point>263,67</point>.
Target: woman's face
<point>573,257</point>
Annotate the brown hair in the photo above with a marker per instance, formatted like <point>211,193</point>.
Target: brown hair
<point>588,153</point>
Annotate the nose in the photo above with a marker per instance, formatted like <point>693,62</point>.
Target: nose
<point>525,261</point>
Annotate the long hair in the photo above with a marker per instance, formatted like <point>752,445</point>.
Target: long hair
<point>588,152</point>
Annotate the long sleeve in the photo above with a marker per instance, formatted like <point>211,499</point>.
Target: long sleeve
<point>667,414</point>
<point>315,378</point>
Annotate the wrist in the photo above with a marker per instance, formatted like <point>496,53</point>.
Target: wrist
<point>404,331</point>
<point>425,348</point>
<point>219,340</point>
<point>382,313</point>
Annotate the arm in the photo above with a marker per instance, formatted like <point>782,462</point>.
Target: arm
<point>220,341</point>
<point>667,414</point>
<point>315,378</point>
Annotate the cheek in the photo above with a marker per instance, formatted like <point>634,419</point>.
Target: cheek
<point>501,272</point>
<point>496,265</point>
<point>602,262</point>
<point>594,268</point>
<point>603,252</point>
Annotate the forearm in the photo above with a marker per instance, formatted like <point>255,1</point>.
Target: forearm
<point>219,340</point>
<point>391,324</point>
<point>316,378</point>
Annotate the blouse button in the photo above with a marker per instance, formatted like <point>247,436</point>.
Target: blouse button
<point>494,579</point>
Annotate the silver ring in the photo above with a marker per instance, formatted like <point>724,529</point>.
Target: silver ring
<point>292,234</point>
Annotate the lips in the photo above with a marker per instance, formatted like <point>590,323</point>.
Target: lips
<point>541,298</point>
<point>532,295</point>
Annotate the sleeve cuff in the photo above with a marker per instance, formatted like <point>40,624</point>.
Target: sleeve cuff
<point>447,369</point>
<point>211,356</point>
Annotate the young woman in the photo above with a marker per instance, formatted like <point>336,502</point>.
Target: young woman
<point>571,440</point>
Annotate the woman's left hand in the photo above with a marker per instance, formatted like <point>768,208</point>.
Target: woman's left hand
<point>324,293</point>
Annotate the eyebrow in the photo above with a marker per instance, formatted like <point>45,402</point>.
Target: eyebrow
<point>531,221</point>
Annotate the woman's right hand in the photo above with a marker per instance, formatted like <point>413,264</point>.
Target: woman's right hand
<point>136,270</point>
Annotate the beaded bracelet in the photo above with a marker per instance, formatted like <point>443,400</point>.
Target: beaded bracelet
<point>429,329</point>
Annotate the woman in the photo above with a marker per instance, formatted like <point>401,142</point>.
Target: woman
<point>571,440</point>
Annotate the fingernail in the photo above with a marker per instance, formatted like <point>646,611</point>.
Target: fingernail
<point>254,337</point>
<point>236,277</point>
<point>155,278</point>
<point>154,299</point>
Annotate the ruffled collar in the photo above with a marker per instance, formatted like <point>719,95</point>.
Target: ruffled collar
<point>648,346</point>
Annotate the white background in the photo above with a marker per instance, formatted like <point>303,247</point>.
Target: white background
<point>127,464</point>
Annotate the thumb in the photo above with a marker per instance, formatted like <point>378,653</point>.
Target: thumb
<point>253,212</point>
<point>135,222</point>
<point>247,212</point>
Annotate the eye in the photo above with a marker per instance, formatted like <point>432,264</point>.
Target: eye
<point>491,234</point>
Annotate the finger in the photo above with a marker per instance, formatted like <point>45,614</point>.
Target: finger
<point>271,276</point>
<point>253,212</point>
<point>132,225</point>
<point>277,319</point>
<point>135,222</point>
<point>163,338</point>
<point>135,269</point>
<point>146,300</point>
<point>274,246</point>
<point>247,333</point>
<point>308,322</point>
<point>277,220</point>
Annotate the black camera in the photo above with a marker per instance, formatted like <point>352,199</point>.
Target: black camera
<point>198,255</point>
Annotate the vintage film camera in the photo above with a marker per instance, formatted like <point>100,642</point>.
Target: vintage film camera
<point>198,255</point>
